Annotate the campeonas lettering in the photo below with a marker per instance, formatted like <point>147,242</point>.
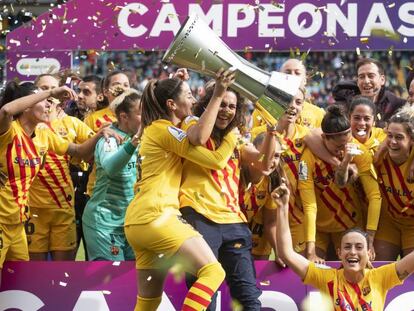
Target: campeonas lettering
<point>177,133</point>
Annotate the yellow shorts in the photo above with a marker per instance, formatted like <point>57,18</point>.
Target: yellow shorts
<point>51,229</point>
<point>298,237</point>
<point>323,239</point>
<point>158,240</point>
<point>13,243</point>
<point>392,231</point>
<point>260,246</point>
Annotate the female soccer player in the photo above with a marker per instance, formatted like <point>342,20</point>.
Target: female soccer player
<point>212,207</point>
<point>116,173</point>
<point>52,227</point>
<point>23,145</point>
<point>395,231</point>
<point>330,205</point>
<point>354,286</point>
<point>153,225</point>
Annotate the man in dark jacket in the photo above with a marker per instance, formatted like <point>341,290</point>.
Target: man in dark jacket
<point>370,83</point>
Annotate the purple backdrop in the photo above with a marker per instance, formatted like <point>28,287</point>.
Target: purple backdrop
<point>99,286</point>
<point>277,25</point>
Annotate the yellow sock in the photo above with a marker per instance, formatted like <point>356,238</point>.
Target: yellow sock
<point>147,304</point>
<point>208,281</point>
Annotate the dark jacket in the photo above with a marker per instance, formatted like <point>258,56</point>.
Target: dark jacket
<point>387,103</point>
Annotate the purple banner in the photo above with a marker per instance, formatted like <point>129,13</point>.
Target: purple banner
<point>27,65</point>
<point>99,286</point>
<point>242,24</point>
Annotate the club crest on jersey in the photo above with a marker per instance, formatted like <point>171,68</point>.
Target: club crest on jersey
<point>366,290</point>
<point>177,133</point>
<point>62,132</point>
<point>298,143</point>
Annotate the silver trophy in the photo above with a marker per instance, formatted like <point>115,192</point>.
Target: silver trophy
<point>196,46</point>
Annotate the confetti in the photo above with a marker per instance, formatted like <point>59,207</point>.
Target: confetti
<point>160,255</point>
<point>404,209</point>
<point>358,51</point>
<point>116,263</point>
<point>237,245</point>
<point>405,40</point>
<point>63,284</point>
<point>66,274</point>
<point>106,292</point>
<point>265,283</point>
<point>149,278</point>
<point>364,40</point>
<point>391,5</point>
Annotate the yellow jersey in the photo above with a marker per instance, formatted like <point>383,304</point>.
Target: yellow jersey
<point>369,294</point>
<point>377,136</point>
<point>211,192</point>
<point>53,186</point>
<point>398,194</point>
<point>161,151</point>
<point>255,198</point>
<point>330,208</point>
<point>21,157</point>
<point>310,117</point>
<point>95,121</point>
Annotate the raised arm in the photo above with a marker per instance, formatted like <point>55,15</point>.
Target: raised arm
<point>199,133</point>
<point>21,104</point>
<point>405,266</point>
<point>295,261</point>
<point>114,158</point>
<point>314,142</point>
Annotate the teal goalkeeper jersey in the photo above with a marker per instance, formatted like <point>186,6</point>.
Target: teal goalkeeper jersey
<point>116,174</point>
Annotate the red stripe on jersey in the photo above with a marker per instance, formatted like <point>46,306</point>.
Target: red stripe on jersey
<point>255,206</point>
<point>59,165</point>
<point>343,190</point>
<point>347,300</point>
<point>98,124</point>
<point>331,288</point>
<point>52,175</point>
<point>403,185</point>
<point>364,305</point>
<point>187,308</point>
<point>49,189</point>
<point>200,300</point>
<point>107,119</point>
<point>234,194</point>
<point>391,208</point>
<point>291,146</point>
<point>204,288</point>
<point>10,171</point>
<point>235,174</point>
<point>390,179</point>
<point>33,154</point>
<point>331,193</point>
<point>333,210</point>
<point>293,214</point>
<point>292,167</point>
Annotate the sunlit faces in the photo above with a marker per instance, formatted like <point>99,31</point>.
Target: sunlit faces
<point>354,253</point>
<point>399,142</point>
<point>87,96</point>
<point>295,67</point>
<point>47,83</point>
<point>362,121</point>
<point>183,104</point>
<point>336,144</point>
<point>118,80</point>
<point>370,80</point>
<point>227,110</point>
<point>295,108</point>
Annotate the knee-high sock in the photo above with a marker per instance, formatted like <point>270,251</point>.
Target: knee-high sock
<point>208,281</point>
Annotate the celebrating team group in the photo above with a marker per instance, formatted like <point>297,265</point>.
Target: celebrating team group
<point>162,178</point>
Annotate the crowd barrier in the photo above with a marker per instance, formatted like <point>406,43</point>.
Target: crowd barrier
<point>106,285</point>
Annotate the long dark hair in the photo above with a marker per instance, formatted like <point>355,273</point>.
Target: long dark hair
<point>103,101</point>
<point>14,90</point>
<point>238,121</point>
<point>154,99</point>
<point>335,121</point>
<point>362,100</point>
